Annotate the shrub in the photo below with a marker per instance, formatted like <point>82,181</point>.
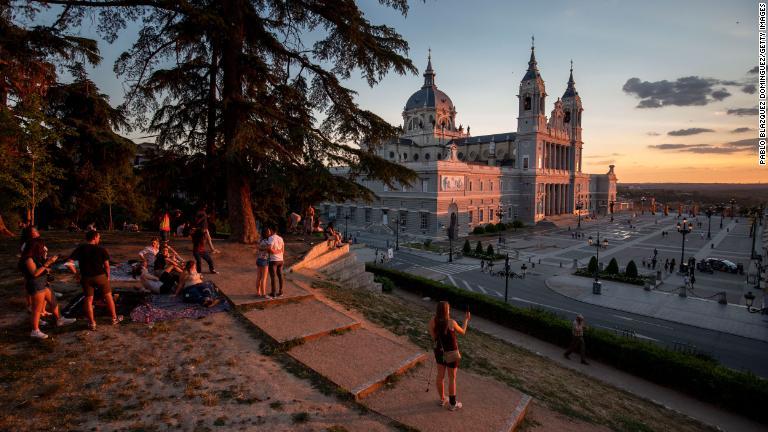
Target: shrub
<point>490,252</point>
<point>613,267</point>
<point>490,228</point>
<point>592,267</point>
<point>501,227</point>
<point>478,230</point>
<point>386,283</point>
<point>698,376</point>
<point>631,271</point>
<point>479,248</point>
<point>517,224</point>
<point>467,249</point>
<point>427,243</point>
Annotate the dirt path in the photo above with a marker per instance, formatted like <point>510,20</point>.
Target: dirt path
<point>191,375</point>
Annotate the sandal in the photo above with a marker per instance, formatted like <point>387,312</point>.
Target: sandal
<point>92,326</point>
<point>117,320</point>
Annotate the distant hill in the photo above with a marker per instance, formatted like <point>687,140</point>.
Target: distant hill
<point>698,186</point>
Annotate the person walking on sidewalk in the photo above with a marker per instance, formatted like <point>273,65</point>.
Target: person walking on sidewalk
<point>482,265</point>
<point>93,261</point>
<point>672,265</point>
<point>200,253</point>
<point>446,348</point>
<point>577,339</point>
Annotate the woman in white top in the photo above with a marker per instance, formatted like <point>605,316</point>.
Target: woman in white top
<point>192,288</point>
<point>262,264</point>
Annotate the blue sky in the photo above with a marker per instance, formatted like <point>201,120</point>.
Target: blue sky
<point>480,51</point>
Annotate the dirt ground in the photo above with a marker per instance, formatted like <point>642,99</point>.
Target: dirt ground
<point>192,375</point>
<point>564,400</point>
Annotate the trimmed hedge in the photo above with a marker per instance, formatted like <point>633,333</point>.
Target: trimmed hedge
<point>619,277</point>
<point>700,377</point>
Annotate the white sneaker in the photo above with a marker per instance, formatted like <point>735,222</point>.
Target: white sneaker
<point>455,407</point>
<point>65,321</point>
<point>37,334</point>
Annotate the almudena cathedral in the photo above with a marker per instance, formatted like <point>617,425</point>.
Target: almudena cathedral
<point>530,175</point>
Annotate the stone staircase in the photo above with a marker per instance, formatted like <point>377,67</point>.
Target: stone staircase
<point>360,357</point>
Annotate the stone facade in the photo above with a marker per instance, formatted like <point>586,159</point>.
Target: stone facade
<point>465,181</point>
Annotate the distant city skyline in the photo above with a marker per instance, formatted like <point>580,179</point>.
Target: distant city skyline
<point>667,87</point>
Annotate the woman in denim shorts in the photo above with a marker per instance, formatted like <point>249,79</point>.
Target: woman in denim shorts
<point>262,264</point>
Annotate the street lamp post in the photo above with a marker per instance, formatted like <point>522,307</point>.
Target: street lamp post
<point>499,215</point>
<point>685,228</point>
<point>450,244</point>
<point>506,277</point>
<point>709,214</point>
<point>733,202</point>
<point>721,209</point>
<point>398,223</point>
<point>597,244</point>
<point>580,206</point>
<point>611,204</point>
<point>642,205</point>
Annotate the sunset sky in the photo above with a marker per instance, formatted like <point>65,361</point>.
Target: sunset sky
<point>666,85</point>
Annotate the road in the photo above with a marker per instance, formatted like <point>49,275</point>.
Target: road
<point>733,351</point>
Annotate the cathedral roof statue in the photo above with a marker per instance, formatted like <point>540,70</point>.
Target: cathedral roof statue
<point>429,96</point>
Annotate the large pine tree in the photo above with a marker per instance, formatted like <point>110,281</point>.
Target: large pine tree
<point>241,77</point>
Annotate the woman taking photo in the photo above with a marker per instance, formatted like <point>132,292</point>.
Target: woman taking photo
<point>443,331</point>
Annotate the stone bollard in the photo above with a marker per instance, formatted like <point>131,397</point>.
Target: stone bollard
<point>575,263</point>
<point>682,292</point>
<point>561,264</point>
<point>597,287</point>
<point>647,286</point>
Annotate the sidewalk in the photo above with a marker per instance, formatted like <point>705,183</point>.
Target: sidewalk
<point>666,397</point>
<point>708,314</point>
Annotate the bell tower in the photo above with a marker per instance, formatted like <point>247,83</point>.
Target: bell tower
<point>573,109</point>
<point>532,98</point>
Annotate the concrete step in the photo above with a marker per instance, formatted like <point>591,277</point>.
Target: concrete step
<point>341,263</point>
<point>302,321</point>
<point>359,280</point>
<point>320,256</point>
<point>487,404</point>
<point>359,361</point>
<point>347,273</point>
<point>244,296</point>
<point>374,286</point>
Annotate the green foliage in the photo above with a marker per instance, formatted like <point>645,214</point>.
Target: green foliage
<point>592,267</point>
<point>620,277</point>
<point>386,283</point>
<point>517,224</point>
<point>478,230</point>
<point>698,376</point>
<point>427,243</point>
<point>631,271</point>
<point>490,228</point>
<point>613,267</point>
<point>489,251</point>
<point>467,249</point>
<point>479,248</point>
<point>501,226</point>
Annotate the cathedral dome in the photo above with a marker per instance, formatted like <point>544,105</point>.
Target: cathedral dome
<point>429,97</point>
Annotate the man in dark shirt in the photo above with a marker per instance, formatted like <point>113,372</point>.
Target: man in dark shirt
<point>94,273</point>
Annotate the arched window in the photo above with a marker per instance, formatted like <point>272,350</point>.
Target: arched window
<point>391,155</point>
<point>567,118</point>
<point>426,156</point>
<point>527,103</point>
<point>405,156</point>
<point>439,156</point>
<point>416,157</point>
<point>461,155</point>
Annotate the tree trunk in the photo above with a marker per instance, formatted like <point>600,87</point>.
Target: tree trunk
<point>210,133</point>
<point>111,225</point>
<point>241,217</point>
<point>4,231</point>
<point>239,201</point>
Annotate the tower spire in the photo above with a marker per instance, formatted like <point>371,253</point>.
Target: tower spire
<point>429,73</point>
<point>532,61</point>
<point>571,89</point>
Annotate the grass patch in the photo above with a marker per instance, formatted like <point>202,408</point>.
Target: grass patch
<point>300,417</point>
<point>276,405</point>
<point>336,428</point>
<point>558,388</point>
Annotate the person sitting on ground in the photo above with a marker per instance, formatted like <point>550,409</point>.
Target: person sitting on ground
<point>333,236</point>
<point>35,267</point>
<point>443,331</point>
<point>294,219</point>
<point>192,289</point>
<point>149,253</point>
<point>94,271</point>
<point>200,253</point>
<point>149,282</point>
<point>164,263</point>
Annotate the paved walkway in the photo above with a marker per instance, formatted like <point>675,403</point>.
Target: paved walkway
<point>709,314</point>
<point>669,398</point>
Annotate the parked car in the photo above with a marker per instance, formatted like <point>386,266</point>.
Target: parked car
<point>717,264</point>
